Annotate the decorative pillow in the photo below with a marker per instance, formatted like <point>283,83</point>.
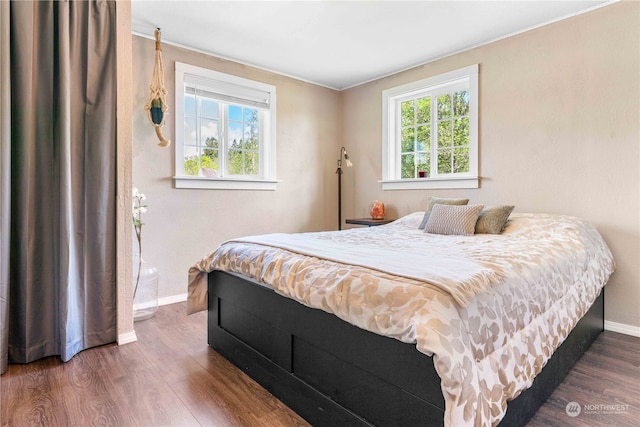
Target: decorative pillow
<point>453,219</point>
<point>492,219</point>
<point>439,201</point>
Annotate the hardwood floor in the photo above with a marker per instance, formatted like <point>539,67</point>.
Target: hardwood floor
<point>170,377</point>
<point>605,383</point>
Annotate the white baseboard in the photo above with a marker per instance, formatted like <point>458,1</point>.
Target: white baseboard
<point>127,338</point>
<point>622,328</point>
<point>172,299</point>
<point>130,337</point>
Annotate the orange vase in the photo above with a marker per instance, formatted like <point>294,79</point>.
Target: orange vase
<point>377,210</point>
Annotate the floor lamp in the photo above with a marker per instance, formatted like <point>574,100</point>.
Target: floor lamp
<point>343,153</point>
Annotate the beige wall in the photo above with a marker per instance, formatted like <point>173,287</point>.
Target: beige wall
<point>184,225</point>
<point>558,132</point>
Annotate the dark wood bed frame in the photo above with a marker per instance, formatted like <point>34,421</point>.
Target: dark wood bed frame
<point>335,374</point>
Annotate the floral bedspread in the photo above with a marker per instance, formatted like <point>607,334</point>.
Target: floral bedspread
<point>519,294</point>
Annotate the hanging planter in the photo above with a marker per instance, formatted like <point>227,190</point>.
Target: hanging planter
<point>157,105</point>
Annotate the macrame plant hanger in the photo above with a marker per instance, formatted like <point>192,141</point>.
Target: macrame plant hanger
<point>157,105</point>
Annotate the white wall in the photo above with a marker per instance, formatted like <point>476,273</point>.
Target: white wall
<point>559,132</point>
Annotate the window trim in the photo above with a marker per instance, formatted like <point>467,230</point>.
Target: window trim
<point>390,163</point>
<point>267,180</point>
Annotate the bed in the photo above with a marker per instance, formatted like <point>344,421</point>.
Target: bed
<point>391,325</point>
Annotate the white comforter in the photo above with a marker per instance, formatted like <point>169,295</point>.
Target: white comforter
<point>491,309</point>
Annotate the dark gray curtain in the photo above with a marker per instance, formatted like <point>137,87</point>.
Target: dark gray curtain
<point>62,180</point>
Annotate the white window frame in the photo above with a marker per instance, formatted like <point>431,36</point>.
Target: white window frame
<point>391,99</point>
<point>239,89</point>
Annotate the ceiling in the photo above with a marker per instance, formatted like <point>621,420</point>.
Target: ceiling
<point>341,44</point>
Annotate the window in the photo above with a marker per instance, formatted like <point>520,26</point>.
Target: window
<point>225,131</point>
<point>430,132</point>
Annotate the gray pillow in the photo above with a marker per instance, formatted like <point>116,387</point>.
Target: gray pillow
<point>452,219</point>
<point>439,201</point>
<point>492,219</point>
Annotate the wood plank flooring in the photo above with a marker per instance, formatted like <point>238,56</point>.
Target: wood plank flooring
<point>170,377</point>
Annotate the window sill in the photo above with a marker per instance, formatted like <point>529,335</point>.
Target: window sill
<point>199,182</point>
<point>430,183</point>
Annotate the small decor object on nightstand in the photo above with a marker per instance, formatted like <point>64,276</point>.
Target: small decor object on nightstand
<point>377,210</point>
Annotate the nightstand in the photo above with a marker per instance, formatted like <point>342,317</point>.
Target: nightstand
<point>368,221</point>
